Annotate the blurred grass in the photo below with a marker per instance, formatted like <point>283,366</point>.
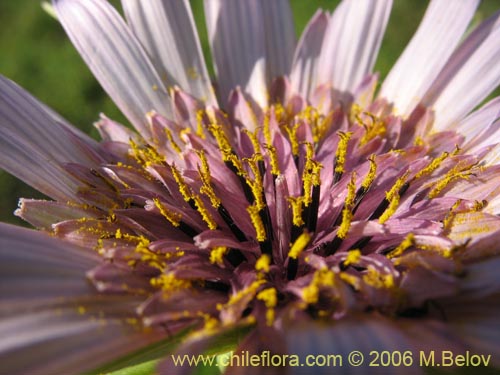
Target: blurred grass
<point>37,55</point>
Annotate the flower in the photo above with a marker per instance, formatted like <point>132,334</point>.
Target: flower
<point>295,209</point>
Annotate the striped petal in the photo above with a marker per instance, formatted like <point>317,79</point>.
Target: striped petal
<point>352,41</point>
<point>236,35</point>
<point>439,32</point>
<point>363,335</point>
<point>167,31</point>
<point>473,69</point>
<point>53,321</point>
<point>481,127</point>
<point>35,142</point>
<point>280,37</point>
<point>116,58</point>
<point>306,59</point>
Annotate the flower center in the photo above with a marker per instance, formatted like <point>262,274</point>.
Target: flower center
<point>322,213</point>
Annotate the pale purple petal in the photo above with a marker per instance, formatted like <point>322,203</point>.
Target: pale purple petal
<point>431,46</point>
<point>279,36</point>
<point>352,41</point>
<point>307,53</point>
<point>167,31</point>
<point>236,35</point>
<point>363,334</point>
<point>480,127</point>
<point>116,58</point>
<point>35,141</point>
<point>473,69</point>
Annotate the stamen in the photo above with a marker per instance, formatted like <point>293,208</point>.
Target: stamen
<point>340,155</point>
<point>298,246</point>
<point>408,242</point>
<point>260,230</point>
<point>217,255</point>
<point>348,206</point>
<point>270,298</point>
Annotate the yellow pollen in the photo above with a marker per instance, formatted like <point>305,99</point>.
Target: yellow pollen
<point>199,124</point>
<point>183,187</point>
<point>452,175</point>
<point>376,127</point>
<point>253,139</point>
<point>348,206</point>
<point>322,278</point>
<point>263,263</point>
<point>370,177</point>
<point>168,283</point>
<point>205,215</point>
<point>353,257</point>
<point>273,159</point>
<point>341,153</point>
<point>377,279</point>
<point>299,245</point>
<point>170,138</point>
<point>207,189</point>
<point>296,203</point>
<point>433,165</point>
<point>146,155</point>
<point>222,140</point>
<point>249,291</point>
<point>173,217</point>
<point>292,137</point>
<point>260,230</point>
<point>217,255</point>
<point>270,298</point>
<point>408,242</point>
<point>393,197</point>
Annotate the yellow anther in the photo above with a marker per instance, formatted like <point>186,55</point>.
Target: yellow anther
<point>266,129</point>
<point>322,278</point>
<point>299,245</point>
<point>260,230</point>
<point>183,187</point>
<point>433,165</point>
<point>372,173</point>
<point>256,184</point>
<point>297,205</point>
<point>393,197</point>
<point>408,242</point>
<point>199,124</point>
<point>273,159</point>
<point>418,141</point>
<point>375,128</point>
<point>222,140</point>
<point>217,255</point>
<point>205,215</point>
<point>270,298</point>
<point>377,279</point>
<point>206,179</point>
<point>292,137</point>
<point>341,153</point>
<point>253,139</point>
<point>145,155</point>
<point>173,217</point>
<point>176,147</point>
<point>245,293</point>
<point>452,175</point>
<point>353,257</point>
<point>118,234</point>
<point>168,283</point>
<point>263,263</point>
<point>237,164</point>
<point>348,207</point>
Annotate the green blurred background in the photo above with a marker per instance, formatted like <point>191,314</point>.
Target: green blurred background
<point>36,54</point>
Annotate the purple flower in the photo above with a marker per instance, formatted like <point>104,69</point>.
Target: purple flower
<point>294,208</point>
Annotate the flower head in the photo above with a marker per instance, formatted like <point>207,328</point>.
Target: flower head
<point>294,204</point>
